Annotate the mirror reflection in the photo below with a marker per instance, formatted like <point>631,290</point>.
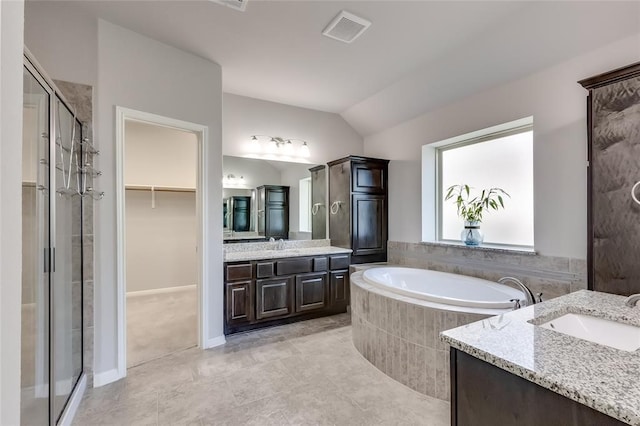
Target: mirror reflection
<point>263,199</point>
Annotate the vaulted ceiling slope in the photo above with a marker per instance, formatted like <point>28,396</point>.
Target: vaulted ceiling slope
<point>416,56</point>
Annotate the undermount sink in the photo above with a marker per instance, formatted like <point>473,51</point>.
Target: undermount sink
<point>604,332</point>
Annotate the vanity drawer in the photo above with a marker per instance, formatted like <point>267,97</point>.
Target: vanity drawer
<point>265,269</point>
<point>239,271</point>
<point>320,264</point>
<point>294,266</point>
<point>340,262</point>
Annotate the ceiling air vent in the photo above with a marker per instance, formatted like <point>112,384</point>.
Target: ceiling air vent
<point>233,4</point>
<point>346,27</point>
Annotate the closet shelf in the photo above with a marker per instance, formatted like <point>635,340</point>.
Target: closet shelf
<point>160,188</point>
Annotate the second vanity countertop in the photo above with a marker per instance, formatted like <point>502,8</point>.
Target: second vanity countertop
<point>266,253</point>
<point>603,378</point>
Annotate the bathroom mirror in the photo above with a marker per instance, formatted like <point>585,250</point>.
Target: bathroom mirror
<point>264,198</point>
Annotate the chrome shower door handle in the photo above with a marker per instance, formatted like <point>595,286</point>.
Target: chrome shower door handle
<point>633,192</point>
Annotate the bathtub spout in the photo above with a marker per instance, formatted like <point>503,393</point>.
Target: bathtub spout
<point>529,297</point>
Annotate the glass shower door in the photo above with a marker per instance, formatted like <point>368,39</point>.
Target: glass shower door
<point>34,402</point>
<point>66,289</point>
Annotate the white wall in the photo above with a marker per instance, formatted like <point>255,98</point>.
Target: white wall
<point>291,177</point>
<point>140,73</point>
<point>160,156</point>
<point>328,135</point>
<point>64,39</point>
<point>11,44</point>
<point>557,104</point>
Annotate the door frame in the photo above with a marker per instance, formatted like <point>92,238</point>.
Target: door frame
<point>203,246</point>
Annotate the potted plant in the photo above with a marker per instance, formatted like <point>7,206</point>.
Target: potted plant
<point>472,209</point>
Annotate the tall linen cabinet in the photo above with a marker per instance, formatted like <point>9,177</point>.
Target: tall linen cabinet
<point>358,207</point>
<point>613,111</point>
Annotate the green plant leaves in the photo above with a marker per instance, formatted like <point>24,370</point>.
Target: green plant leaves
<point>471,210</point>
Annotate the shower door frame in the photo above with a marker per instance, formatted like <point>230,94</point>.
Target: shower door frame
<point>75,396</point>
<point>122,115</point>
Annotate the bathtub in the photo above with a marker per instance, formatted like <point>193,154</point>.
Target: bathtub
<point>443,287</point>
<point>397,315</point>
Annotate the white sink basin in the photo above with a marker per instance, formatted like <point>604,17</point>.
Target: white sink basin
<point>604,332</point>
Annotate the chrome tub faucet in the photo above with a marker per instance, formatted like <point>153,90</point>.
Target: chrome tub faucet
<point>632,300</point>
<point>530,299</point>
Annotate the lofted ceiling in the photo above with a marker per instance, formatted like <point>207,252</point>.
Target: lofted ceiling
<point>416,56</point>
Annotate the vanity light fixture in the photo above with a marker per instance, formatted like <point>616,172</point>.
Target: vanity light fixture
<point>232,180</point>
<point>280,147</point>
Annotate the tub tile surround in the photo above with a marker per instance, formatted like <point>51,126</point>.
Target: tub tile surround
<point>552,276</point>
<point>600,377</point>
<point>401,338</point>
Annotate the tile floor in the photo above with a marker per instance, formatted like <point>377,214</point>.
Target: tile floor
<point>306,373</point>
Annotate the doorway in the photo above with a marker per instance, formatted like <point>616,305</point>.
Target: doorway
<point>159,235</point>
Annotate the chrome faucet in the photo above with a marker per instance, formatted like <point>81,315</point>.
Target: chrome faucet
<point>280,245</point>
<point>529,297</point>
<point>632,300</point>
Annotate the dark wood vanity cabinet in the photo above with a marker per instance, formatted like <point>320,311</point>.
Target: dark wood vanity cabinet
<point>273,211</point>
<point>358,207</point>
<point>613,180</point>
<point>274,291</point>
<point>318,202</point>
<point>483,394</point>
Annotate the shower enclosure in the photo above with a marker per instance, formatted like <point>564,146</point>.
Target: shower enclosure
<point>55,167</point>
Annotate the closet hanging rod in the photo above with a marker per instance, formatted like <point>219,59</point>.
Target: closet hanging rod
<point>160,188</point>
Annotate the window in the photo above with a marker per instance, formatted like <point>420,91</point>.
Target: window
<point>305,205</point>
<point>501,157</point>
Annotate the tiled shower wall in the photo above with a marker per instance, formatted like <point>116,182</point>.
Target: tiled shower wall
<point>552,276</point>
<point>80,97</point>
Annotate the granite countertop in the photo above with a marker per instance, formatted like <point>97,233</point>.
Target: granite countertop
<point>238,256</point>
<point>603,378</point>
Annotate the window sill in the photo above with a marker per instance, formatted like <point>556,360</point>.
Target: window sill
<point>495,248</point>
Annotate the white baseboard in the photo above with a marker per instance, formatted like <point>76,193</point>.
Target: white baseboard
<point>161,290</point>
<point>216,341</point>
<point>74,402</point>
<point>104,378</point>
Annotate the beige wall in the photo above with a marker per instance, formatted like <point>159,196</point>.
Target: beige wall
<point>160,156</point>
<point>160,241</point>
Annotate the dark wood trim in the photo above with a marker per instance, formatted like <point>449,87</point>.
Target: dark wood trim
<point>288,320</point>
<point>589,195</point>
<point>613,76</point>
<point>357,158</point>
<point>453,387</point>
<point>317,168</point>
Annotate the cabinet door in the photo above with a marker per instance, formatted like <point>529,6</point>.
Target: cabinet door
<point>340,287</point>
<point>615,169</point>
<point>369,177</point>
<point>239,307</point>
<point>319,200</point>
<point>369,224</point>
<point>274,297</point>
<point>339,209</point>
<point>277,223</point>
<point>311,292</point>
<point>261,217</point>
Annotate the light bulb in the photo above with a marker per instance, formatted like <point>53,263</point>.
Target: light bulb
<point>304,150</point>
<point>272,146</point>
<point>255,144</point>
<point>288,148</point>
